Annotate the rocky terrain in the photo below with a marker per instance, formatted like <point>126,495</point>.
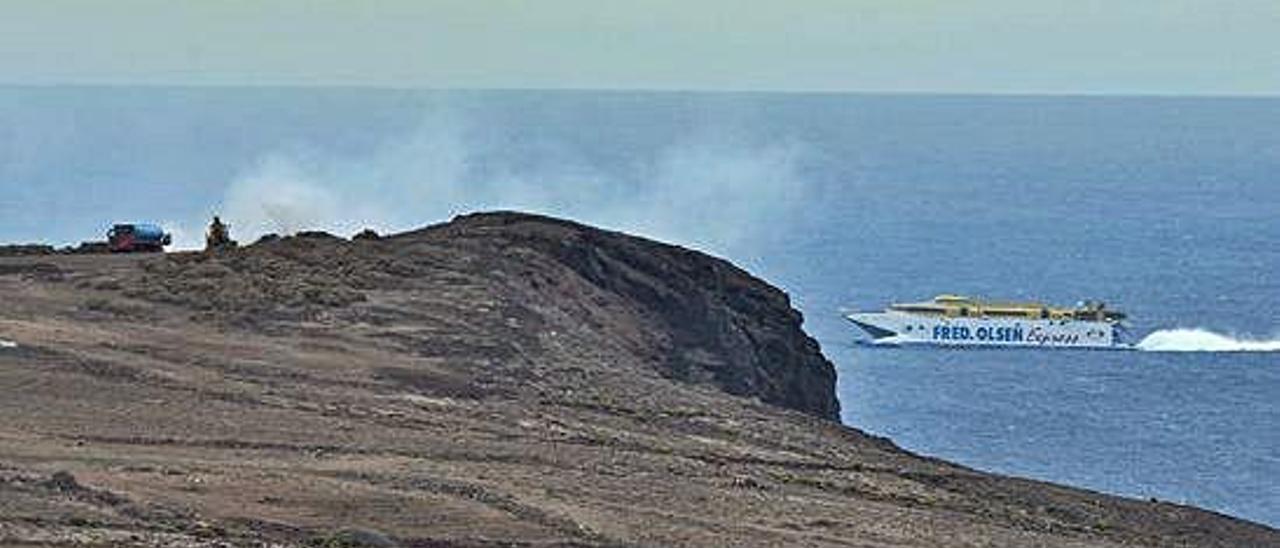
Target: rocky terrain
<point>500,380</point>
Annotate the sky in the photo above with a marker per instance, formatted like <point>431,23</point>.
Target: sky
<point>1164,47</point>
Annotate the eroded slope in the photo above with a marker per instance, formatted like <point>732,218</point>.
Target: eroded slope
<point>504,379</point>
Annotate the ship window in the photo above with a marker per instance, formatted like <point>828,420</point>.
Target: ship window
<point>1006,313</point>
<point>908,329</point>
<point>917,309</point>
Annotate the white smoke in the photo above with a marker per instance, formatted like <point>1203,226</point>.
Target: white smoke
<point>713,190</point>
<point>278,196</point>
<point>1201,340</point>
<point>187,235</point>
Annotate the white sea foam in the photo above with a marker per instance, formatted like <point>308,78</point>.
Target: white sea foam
<point>1203,340</point>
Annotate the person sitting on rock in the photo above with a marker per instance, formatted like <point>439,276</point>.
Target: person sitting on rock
<point>219,236</point>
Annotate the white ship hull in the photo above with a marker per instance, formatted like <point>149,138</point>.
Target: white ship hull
<point>899,328</point>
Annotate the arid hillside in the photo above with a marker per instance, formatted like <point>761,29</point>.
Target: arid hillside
<point>500,380</point>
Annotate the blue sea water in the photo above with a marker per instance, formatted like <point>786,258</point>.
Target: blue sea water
<point>1168,208</point>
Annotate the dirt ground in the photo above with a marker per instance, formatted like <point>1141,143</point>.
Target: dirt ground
<point>503,380</point>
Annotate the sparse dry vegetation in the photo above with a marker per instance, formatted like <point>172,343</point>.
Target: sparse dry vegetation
<point>503,380</point>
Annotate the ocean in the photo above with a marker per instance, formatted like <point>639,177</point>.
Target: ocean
<point>1166,208</point>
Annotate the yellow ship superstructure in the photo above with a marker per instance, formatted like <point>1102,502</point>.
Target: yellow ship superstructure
<point>958,306</point>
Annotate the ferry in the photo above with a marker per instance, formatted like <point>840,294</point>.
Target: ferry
<point>955,320</point>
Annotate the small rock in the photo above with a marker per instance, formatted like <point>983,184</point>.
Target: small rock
<point>63,481</point>
<point>315,235</point>
<point>267,238</point>
<point>367,234</point>
<point>747,482</point>
<point>360,538</point>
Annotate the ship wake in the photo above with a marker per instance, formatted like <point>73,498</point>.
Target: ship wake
<point>1203,340</point>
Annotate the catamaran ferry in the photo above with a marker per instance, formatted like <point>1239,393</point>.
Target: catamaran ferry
<point>953,320</point>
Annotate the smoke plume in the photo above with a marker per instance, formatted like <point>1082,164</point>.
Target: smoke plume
<point>711,190</point>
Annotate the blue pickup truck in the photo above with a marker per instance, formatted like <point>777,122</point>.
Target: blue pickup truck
<point>131,238</point>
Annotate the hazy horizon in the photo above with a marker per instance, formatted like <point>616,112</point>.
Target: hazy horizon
<point>657,91</point>
<point>285,159</point>
<point>1141,47</point>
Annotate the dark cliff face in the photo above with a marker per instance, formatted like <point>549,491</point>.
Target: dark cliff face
<point>724,326</point>
<point>690,316</point>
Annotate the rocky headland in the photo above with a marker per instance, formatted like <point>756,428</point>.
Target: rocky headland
<point>500,380</point>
